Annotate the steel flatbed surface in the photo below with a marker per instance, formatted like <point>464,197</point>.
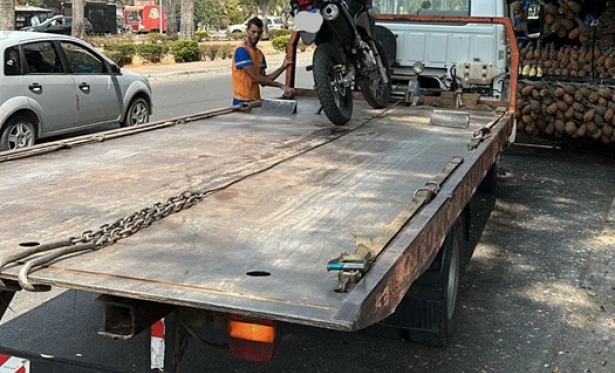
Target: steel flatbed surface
<point>291,193</point>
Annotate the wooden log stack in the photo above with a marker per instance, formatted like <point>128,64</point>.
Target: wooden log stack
<point>566,109</point>
<point>567,85</point>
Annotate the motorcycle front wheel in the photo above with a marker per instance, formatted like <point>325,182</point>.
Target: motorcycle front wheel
<point>374,90</point>
<point>334,97</point>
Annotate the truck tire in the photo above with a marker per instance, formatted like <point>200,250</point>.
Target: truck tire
<point>137,112</point>
<point>374,90</point>
<point>428,312</point>
<point>336,103</point>
<point>17,133</point>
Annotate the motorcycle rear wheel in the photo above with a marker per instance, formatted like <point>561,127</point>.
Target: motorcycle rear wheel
<point>374,90</point>
<point>335,102</point>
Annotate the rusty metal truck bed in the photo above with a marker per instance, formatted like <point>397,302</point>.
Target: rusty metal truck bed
<point>289,193</point>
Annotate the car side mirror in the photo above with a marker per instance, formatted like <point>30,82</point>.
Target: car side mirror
<point>115,69</point>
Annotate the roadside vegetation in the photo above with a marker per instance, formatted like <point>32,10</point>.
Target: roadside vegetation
<point>134,49</point>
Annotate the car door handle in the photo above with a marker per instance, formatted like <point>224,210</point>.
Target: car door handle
<point>35,87</point>
<point>84,86</point>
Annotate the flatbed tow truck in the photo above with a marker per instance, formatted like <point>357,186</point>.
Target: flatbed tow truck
<point>244,220</point>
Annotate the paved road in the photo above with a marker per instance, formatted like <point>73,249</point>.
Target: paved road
<point>188,94</point>
<point>185,95</point>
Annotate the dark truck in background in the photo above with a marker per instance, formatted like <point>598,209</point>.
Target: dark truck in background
<point>102,16</point>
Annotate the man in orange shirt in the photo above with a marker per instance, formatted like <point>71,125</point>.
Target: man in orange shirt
<point>249,65</point>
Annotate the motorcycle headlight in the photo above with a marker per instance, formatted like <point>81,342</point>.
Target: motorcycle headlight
<point>330,12</point>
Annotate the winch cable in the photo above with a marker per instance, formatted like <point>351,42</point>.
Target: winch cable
<point>108,234</point>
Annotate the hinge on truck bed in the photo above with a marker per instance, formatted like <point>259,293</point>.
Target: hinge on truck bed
<point>352,267</point>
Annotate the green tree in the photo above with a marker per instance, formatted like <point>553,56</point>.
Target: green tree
<point>213,12</point>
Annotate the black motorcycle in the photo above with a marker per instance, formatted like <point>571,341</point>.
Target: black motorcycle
<point>347,52</point>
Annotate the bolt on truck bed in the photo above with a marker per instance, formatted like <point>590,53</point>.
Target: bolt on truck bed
<point>290,194</point>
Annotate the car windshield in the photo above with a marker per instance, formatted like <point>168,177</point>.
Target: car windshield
<point>277,21</point>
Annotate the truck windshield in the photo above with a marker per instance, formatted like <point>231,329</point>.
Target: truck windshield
<point>433,7</point>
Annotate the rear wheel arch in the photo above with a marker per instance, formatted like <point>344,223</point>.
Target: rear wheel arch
<point>139,97</point>
<point>32,117</point>
<point>23,124</point>
<point>428,312</point>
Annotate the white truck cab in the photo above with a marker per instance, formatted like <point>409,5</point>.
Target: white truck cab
<point>474,56</point>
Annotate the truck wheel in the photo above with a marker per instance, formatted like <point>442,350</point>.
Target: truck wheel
<point>374,90</point>
<point>490,182</point>
<point>137,113</point>
<point>18,133</point>
<point>436,296</point>
<point>334,97</point>
<point>428,312</point>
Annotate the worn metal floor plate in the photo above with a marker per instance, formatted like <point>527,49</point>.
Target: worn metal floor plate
<point>292,194</point>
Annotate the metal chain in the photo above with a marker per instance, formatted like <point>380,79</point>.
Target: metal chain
<point>108,234</point>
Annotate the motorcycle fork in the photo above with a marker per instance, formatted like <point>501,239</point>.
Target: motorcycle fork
<point>381,68</point>
<point>368,24</point>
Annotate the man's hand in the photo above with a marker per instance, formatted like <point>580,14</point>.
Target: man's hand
<point>288,91</point>
<point>287,62</point>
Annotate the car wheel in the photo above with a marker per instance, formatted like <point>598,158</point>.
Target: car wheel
<point>137,113</point>
<point>17,133</point>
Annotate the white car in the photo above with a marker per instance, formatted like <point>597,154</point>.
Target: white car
<point>273,23</point>
<point>55,84</point>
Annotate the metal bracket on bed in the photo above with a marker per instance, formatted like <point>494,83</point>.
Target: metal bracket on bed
<point>351,267</point>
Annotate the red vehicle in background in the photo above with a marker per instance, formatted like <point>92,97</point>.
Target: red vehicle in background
<point>145,18</point>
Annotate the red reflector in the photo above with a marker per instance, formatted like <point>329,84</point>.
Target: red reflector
<point>252,340</point>
<point>303,3</point>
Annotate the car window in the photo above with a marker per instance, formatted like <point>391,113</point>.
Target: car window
<point>12,65</point>
<point>41,58</point>
<point>81,60</point>
<point>277,21</point>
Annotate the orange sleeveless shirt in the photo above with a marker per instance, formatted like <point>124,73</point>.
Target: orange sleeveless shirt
<point>243,87</point>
